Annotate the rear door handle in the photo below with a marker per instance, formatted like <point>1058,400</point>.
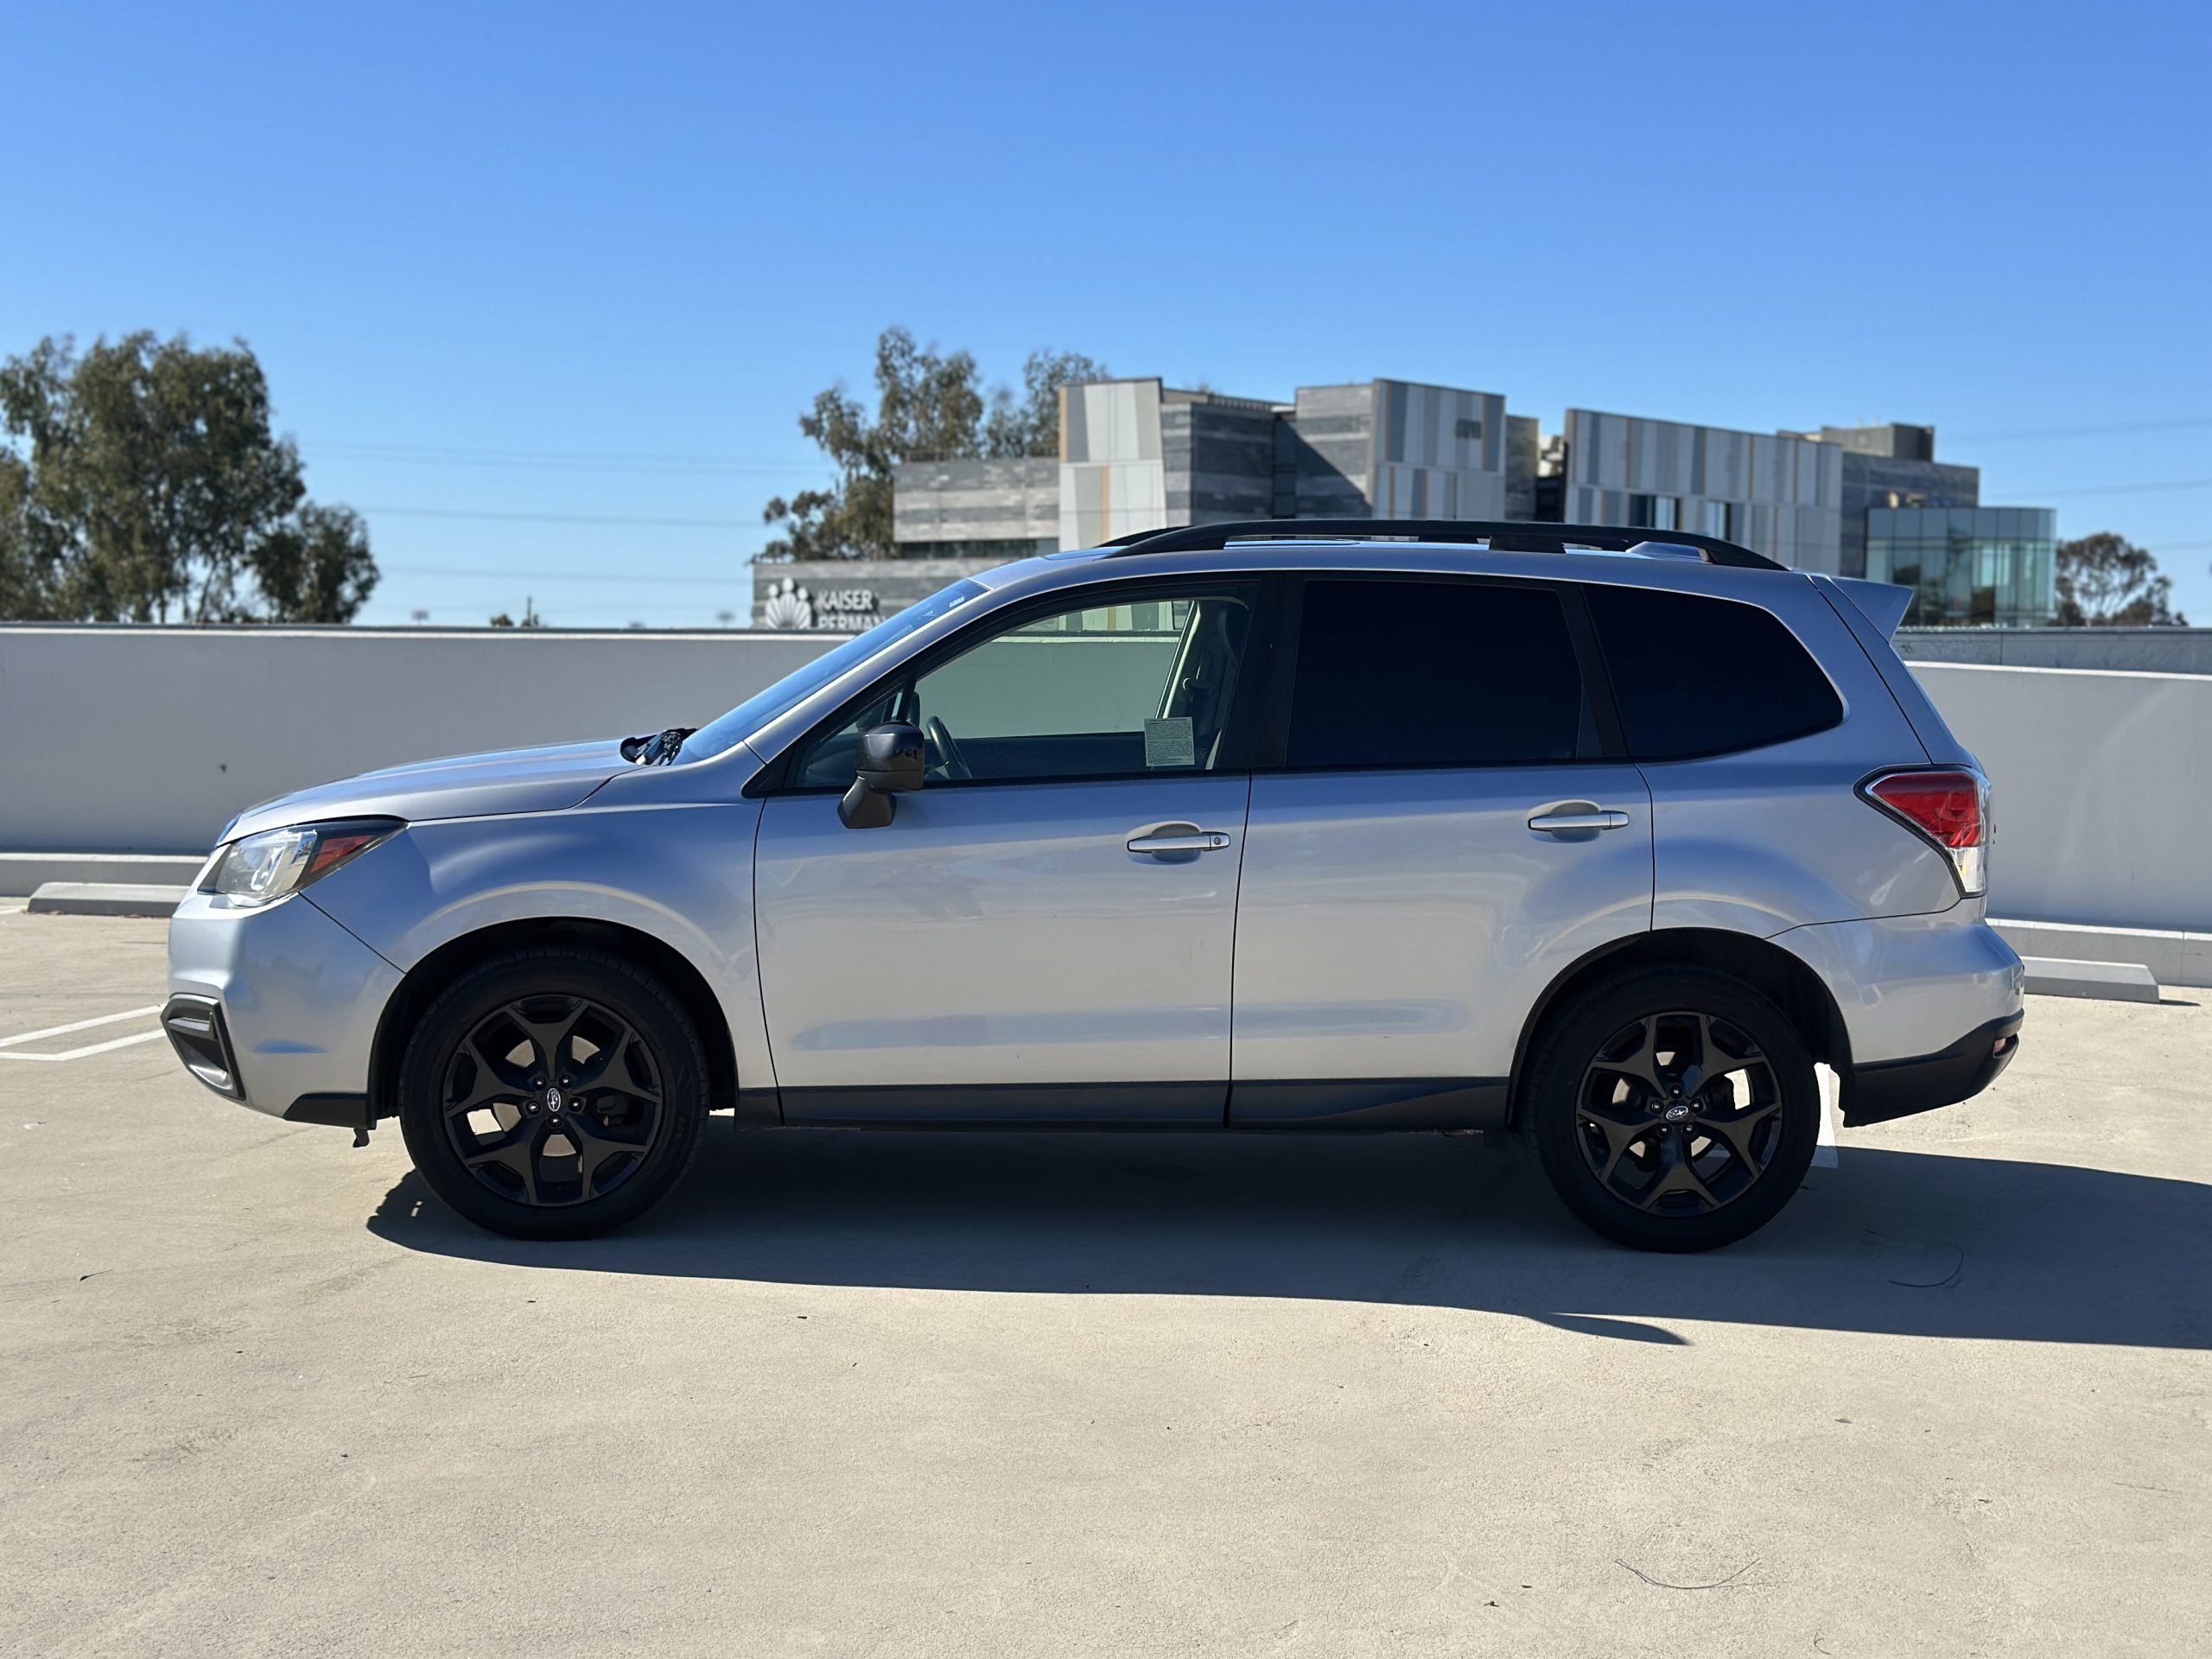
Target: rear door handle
<point>1194,841</point>
<point>1553,823</point>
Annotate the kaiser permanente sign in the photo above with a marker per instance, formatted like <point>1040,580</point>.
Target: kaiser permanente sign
<point>847,595</point>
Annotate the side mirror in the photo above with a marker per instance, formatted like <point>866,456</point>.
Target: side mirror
<point>891,760</point>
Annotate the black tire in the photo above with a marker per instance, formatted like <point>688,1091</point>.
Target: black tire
<point>1646,1161</point>
<point>488,1134</point>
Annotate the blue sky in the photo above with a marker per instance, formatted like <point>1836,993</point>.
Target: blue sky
<point>589,262</point>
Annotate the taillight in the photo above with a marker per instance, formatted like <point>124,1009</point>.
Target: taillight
<point>1950,807</point>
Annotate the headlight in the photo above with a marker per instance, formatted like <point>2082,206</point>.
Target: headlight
<point>259,869</point>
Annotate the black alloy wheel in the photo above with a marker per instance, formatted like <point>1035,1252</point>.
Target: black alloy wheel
<point>553,1099</point>
<point>1678,1114</point>
<point>553,1092</point>
<point>1673,1108</point>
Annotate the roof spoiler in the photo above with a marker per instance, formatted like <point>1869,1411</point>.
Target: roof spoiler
<point>1882,603</point>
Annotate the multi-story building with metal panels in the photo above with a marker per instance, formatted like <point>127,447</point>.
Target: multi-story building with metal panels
<point>995,510</point>
<point>1986,567</point>
<point>1780,495</point>
<point>1137,455</point>
<point>1892,465</point>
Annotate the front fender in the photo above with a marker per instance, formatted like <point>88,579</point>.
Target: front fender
<point>682,873</point>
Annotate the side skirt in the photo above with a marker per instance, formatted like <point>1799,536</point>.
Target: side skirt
<point>1016,1105</point>
<point>1371,1104</point>
<point>1350,1105</point>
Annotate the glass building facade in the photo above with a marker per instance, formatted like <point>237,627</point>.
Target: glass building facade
<point>1968,567</point>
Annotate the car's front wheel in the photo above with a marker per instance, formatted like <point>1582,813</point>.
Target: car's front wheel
<point>1673,1108</point>
<point>553,1092</point>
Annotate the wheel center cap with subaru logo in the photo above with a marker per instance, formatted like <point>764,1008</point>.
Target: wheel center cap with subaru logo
<point>552,1100</point>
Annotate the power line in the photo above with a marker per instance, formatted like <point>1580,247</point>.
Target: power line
<point>736,579</point>
<point>2129,489</point>
<point>566,518</point>
<point>628,466</point>
<point>496,452</point>
<point>636,522</point>
<point>2022,434</point>
<point>656,616</point>
<point>637,460</point>
<point>743,574</point>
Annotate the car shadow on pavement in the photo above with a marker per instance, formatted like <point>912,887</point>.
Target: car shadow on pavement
<point>1907,1243</point>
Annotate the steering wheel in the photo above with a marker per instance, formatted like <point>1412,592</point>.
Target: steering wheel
<point>947,750</point>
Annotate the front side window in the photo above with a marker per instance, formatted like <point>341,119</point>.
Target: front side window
<point>1140,686</point>
<point>1435,674</point>
<point>717,736</point>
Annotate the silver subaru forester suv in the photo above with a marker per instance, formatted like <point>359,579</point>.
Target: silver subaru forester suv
<point>1606,840</point>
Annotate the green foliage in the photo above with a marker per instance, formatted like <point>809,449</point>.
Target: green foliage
<point>2107,581</point>
<point>929,407</point>
<point>26,563</point>
<point>531,618</point>
<point>1032,426</point>
<point>145,485</point>
<point>315,566</point>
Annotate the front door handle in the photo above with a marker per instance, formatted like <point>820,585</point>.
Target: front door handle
<point>1553,823</point>
<point>1185,840</point>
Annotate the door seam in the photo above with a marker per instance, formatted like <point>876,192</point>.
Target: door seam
<point>1651,846</point>
<point>1235,916</point>
<point>759,959</point>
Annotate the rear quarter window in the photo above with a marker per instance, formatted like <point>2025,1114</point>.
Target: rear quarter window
<point>1694,675</point>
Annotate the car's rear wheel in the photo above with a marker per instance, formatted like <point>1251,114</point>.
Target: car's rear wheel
<point>553,1093</point>
<point>1673,1108</point>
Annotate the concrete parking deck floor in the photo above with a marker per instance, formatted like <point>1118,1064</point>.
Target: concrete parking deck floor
<point>1097,1395</point>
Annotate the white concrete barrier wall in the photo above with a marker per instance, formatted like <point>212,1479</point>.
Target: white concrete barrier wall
<point>2104,789</point>
<point>148,740</point>
<point>126,739</point>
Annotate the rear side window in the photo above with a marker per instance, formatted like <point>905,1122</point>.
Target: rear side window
<point>1698,675</point>
<point>1434,674</point>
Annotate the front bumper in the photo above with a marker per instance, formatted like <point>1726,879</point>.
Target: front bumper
<point>1900,1087</point>
<point>276,1007</point>
<point>196,1031</point>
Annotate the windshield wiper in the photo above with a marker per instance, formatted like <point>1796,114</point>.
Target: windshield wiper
<point>657,749</point>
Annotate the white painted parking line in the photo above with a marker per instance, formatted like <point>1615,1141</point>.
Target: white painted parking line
<point>11,1047</point>
<point>78,1024</point>
<point>95,1048</point>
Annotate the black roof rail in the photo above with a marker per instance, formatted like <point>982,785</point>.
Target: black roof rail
<point>1502,536</point>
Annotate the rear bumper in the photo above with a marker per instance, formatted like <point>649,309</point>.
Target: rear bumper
<point>1906,986</point>
<point>1892,1089</point>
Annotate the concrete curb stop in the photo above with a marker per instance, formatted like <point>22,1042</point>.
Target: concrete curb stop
<point>24,874</point>
<point>2109,982</point>
<point>2172,955</point>
<point>104,899</point>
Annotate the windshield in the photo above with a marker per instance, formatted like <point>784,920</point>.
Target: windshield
<point>800,684</point>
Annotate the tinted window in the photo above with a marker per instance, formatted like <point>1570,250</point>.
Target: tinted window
<point>1140,685</point>
<point>1700,676</point>
<point>1434,674</point>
